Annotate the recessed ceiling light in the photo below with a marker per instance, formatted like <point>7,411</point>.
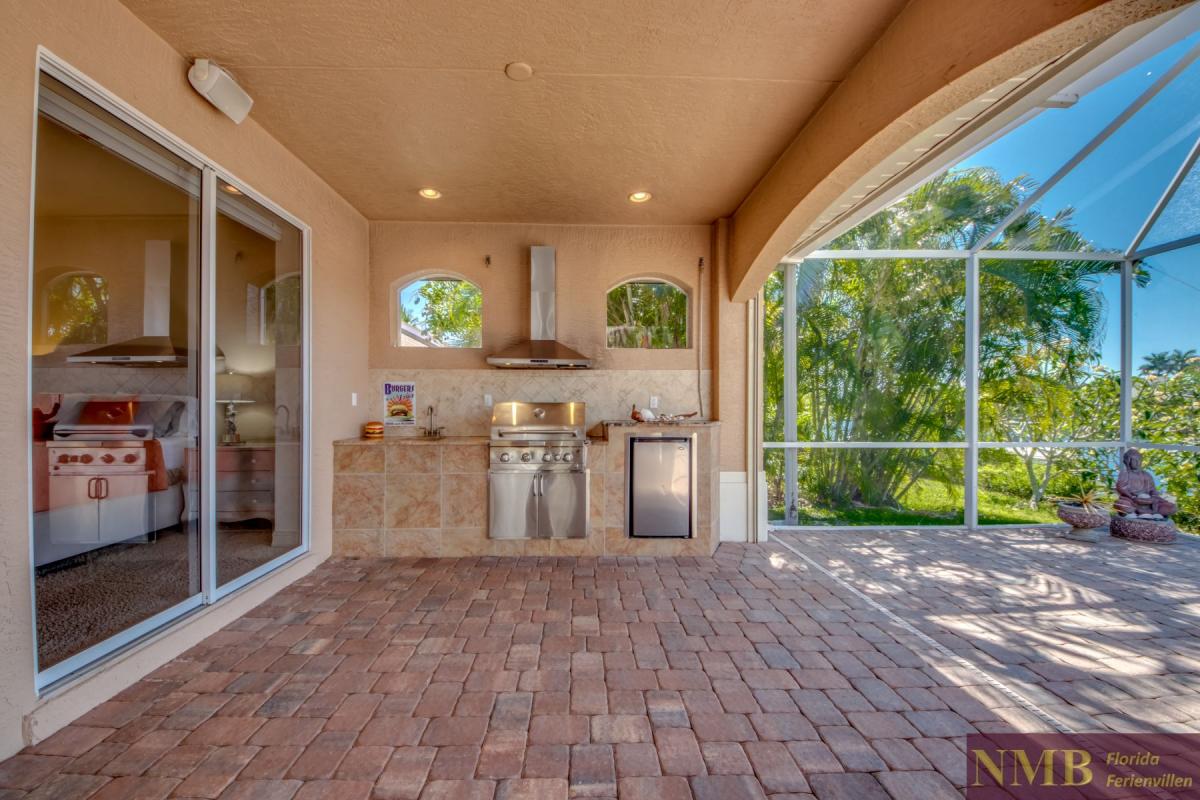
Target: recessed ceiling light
<point>230,188</point>
<point>430,193</point>
<point>639,197</point>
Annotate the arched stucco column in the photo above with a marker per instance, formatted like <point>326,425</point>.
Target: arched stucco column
<point>936,57</point>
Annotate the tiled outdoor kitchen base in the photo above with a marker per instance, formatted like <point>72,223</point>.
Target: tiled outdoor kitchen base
<point>748,674</point>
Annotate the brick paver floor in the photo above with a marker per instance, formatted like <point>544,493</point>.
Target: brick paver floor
<point>1103,637</point>
<point>747,675</point>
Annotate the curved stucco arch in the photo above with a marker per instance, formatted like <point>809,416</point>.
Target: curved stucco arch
<point>936,57</point>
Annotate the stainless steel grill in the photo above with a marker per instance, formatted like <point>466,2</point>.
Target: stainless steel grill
<point>538,480</point>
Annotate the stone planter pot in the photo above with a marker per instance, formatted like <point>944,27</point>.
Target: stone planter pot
<point>1079,517</point>
<point>1153,531</point>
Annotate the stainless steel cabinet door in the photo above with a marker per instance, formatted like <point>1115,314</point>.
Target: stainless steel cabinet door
<point>124,508</point>
<point>512,505</point>
<point>74,515</point>
<point>563,505</point>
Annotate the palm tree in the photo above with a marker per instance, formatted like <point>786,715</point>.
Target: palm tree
<point>881,342</point>
<point>1164,363</point>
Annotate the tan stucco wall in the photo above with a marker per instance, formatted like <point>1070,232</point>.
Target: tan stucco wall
<point>590,260</point>
<point>934,58</point>
<point>105,41</point>
<point>730,385</point>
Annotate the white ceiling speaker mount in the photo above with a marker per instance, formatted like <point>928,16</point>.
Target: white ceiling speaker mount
<point>219,88</point>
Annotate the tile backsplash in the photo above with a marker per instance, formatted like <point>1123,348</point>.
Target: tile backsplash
<point>111,380</point>
<point>457,394</point>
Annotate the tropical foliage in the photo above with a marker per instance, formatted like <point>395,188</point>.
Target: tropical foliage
<point>647,314</point>
<point>880,358</point>
<point>282,310</point>
<point>77,309</point>
<point>447,312</point>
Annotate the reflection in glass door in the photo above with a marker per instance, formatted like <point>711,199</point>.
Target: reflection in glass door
<point>114,381</point>
<point>168,331</point>
<point>259,312</point>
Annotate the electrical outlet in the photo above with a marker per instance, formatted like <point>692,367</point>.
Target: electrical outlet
<point>354,398</point>
<point>653,401</point>
<point>487,401</point>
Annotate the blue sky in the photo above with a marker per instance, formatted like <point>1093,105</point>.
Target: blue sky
<point>1114,189</point>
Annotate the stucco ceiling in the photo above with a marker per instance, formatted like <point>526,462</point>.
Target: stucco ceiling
<point>691,100</point>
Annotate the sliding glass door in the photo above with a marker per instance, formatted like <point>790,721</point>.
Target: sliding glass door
<point>259,313</point>
<point>115,380</point>
<point>168,375</point>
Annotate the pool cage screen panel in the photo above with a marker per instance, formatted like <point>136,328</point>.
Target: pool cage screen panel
<point>1170,223</point>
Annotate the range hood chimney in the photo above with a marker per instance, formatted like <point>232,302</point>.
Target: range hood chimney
<point>154,347</point>
<point>541,351</point>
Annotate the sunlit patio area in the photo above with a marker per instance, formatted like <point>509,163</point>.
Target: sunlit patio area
<point>830,665</point>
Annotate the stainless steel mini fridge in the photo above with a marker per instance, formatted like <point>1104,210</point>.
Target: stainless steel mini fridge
<point>661,481</point>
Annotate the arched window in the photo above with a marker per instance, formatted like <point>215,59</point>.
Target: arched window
<point>76,309</point>
<point>648,313</point>
<point>281,310</point>
<point>439,311</point>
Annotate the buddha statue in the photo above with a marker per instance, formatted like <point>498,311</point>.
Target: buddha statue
<point>1136,492</point>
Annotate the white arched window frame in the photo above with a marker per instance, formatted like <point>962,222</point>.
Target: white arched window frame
<point>404,334</point>
<point>685,294</point>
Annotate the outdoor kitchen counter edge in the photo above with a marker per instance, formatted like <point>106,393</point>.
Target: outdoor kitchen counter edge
<point>417,440</point>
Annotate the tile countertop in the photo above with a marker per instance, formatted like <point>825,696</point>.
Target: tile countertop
<point>597,435</point>
<point>600,431</point>
<point>420,440</point>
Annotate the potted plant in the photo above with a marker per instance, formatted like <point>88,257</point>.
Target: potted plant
<point>1086,515</point>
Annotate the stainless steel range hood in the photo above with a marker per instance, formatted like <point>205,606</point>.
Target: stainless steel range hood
<point>541,351</point>
<point>154,348</point>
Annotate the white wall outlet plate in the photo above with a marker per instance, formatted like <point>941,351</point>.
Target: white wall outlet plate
<point>354,398</point>
<point>653,401</point>
<point>487,401</point>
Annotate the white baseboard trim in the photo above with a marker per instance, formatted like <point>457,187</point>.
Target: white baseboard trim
<point>762,507</point>
<point>733,502</point>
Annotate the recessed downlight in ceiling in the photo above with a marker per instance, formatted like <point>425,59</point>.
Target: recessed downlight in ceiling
<point>518,71</point>
<point>429,193</point>
<point>639,197</point>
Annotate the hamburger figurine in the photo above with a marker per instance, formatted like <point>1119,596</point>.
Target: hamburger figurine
<point>373,430</point>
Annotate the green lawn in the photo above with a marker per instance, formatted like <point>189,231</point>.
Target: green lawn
<point>929,503</point>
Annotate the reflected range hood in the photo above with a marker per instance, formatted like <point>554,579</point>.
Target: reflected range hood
<point>541,351</point>
<point>154,348</point>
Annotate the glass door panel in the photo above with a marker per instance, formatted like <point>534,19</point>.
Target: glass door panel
<point>114,370</point>
<point>259,302</point>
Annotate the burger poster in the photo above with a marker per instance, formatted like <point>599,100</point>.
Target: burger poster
<point>399,403</point>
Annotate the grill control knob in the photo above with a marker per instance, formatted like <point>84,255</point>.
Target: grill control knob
<point>505,457</point>
<point>108,458</point>
<point>64,458</point>
<point>527,457</point>
<point>86,458</point>
<point>568,457</point>
<point>130,458</point>
<point>547,457</point>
